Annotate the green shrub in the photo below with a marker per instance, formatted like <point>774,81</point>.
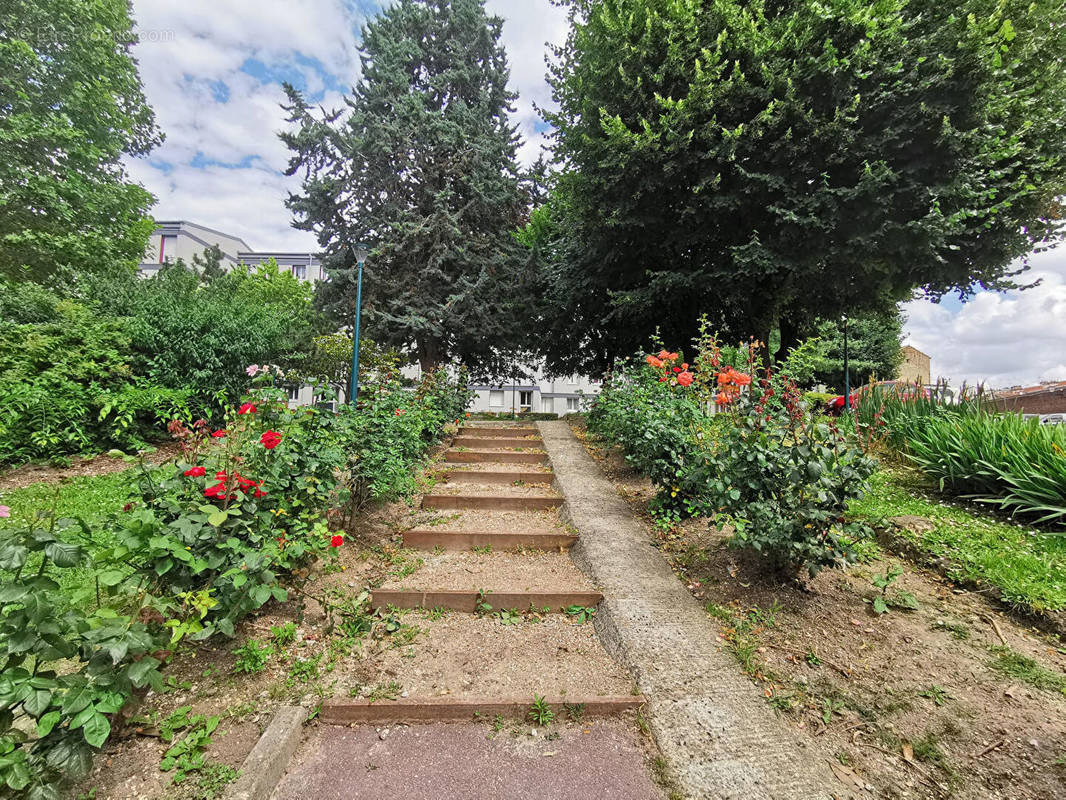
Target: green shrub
<point>105,657</point>
<point>66,386</point>
<point>781,476</point>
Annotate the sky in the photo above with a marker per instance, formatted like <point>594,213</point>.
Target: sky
<point>213,71</point>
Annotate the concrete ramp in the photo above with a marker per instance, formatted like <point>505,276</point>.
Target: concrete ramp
<point>721,738</point>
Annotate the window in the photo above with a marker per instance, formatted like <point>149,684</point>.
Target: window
<point>496,398</point>
<point>166,248</point>
<point>525,401</point>
<point>299,271</point>
<point>573,404</point>
<point>294,393</point>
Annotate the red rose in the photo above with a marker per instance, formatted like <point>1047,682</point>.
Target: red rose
<point>195,472</point>
<point>270,439</point>
<point>259,492</point>
<point>247,408</point>
<point>216,491</point>
<point>685,378</point>
<point>336,541</point>
<point>219,434</point>
<point>400,412</point>
<point>677,369</point>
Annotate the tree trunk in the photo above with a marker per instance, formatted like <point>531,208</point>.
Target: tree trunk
<point>428,354</point>
<point>790,338</point>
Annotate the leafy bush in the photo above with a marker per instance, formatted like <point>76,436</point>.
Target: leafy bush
<point>107,656</point>
<point>66,386</point>
<point>235,518</point>
<point>785,477</point>
<point>781,476</point>
<point>199,337</point>
<point>971,450</point>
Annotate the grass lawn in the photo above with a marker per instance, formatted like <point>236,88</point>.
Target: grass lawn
<point>1027,566</point>
<point>92,498</point>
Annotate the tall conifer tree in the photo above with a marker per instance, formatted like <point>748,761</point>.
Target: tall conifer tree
<point>421,165</point>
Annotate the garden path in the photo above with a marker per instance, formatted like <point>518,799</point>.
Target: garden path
<point>494,550</point>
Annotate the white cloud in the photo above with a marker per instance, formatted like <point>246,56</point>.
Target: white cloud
<point>1006,339</point>
<point>529,25</point>
<point>191,57</point>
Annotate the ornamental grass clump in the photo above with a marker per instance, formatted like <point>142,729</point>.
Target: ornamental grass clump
<point>971,450</point>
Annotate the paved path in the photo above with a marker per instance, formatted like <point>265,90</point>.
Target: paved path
<point>721,738</point>
<point>460,762</point>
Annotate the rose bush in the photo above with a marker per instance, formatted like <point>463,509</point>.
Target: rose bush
<point>763,465</point>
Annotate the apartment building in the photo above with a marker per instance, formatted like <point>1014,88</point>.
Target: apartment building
<point>182,239</point>
<point>538,395</point>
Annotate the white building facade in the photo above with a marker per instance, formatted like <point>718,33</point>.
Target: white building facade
<point>538,395</point>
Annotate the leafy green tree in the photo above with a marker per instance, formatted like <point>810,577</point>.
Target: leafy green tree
<point>422,167</point>
<point>768,163</point>
<point>71,106</point>
<point>873,349</point>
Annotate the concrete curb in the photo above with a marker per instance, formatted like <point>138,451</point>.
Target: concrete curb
<point>718,734</point>
<point>269,759</point>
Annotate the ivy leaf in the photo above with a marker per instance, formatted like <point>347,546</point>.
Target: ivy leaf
<point>880,606</point>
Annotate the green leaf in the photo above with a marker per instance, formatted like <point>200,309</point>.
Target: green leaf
<point>217,518</point>
<point>63,554</point>
<point>96,729</point>
<point>47,722</point>
<point>880,606</point>
<point>111,577</point>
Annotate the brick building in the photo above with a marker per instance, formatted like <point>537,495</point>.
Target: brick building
<point>916,366</point>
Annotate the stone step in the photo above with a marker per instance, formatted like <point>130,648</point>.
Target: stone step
<point>432,538</point>
<point>438,709</point>
<point>489,476</point>
<point>496,441</point>
<point>499,456</point>
<point>468,600</point>
<point>490,502</point>
<point>505,433</point>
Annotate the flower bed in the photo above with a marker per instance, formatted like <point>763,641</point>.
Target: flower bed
<point>764,465</point>
<point>239,519</point>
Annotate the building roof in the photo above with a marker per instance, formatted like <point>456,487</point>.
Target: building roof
<point>1028,391</point>
<point>915,349</point>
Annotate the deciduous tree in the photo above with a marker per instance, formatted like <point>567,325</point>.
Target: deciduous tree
<point>773,162</point>
<point>71,107</point>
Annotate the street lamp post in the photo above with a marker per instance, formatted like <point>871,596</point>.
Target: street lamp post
<point>847,372</point>
<point>360,251</point>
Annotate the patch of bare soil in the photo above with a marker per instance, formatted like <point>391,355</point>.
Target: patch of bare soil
<point>923,703</point>
<point>514,572</point>
<point>102,464</point>
<point>464,655</point>
<point>502,521</point>
<point>497,466</point>
<point>497,489</point>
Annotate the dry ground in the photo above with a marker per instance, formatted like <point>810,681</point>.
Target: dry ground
<point>923,703</point>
